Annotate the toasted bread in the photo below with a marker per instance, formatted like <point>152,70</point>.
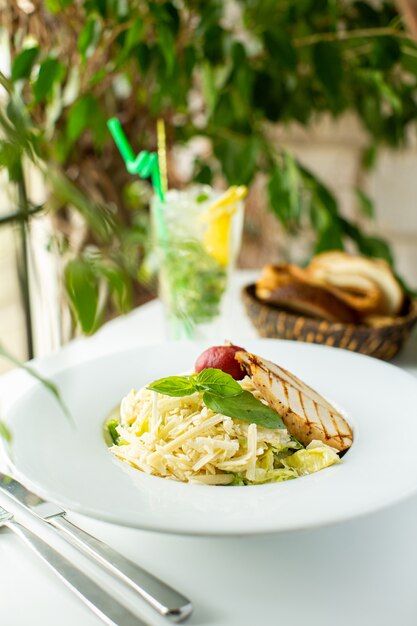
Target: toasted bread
<point>312,301</point>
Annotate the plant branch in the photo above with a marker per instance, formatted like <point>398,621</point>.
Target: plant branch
<point>346,35</point>
<point>23,266</point>
<point>18,216</point>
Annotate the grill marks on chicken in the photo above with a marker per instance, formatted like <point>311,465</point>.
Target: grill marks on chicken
<point>306,414</point>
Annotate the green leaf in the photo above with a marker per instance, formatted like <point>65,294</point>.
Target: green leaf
<point>386,51</point>
<point>82,288</point>
<point>5,432</point>
<point>190,58</point>
<point>375,247</point>
<point>50,71</point>
<point>99,218</point>
<point>79,117</point>
<point>368,245</point>
<point>238,158</point>
<point>203,173</point>
<point>167,45</point>
<point>11,159</point>
<point>329,237</point>
<point>365,203</point>
<point>119,283</point>
<point>284,192</point>
<point>54,6</point>
<point>24,62</point>
<point>378,87</point>
<point>324,197</point>
<point>213,44</point>
<point>111,427</point>
<point>143,54</point>
<point>328,227</point>
<point>389,93</point>
<point>409,61</point>
<point>269,95</point>
<point>280,49</point>
<point>328,65</point>
<point>325,218</point>
<point>210,92</point>
<point>241,77</point>
<point>244,407</point>
<point>85,114</point>
<point>98,76</point>
<point>278,194</point>
<point>176,386</point>
<point>134,35</point>
<point>210,379</point>
<point>218,382</point>
<point>88,37</point>
<point>369,157</point>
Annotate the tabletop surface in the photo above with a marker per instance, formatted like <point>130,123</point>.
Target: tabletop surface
<point>361,572</point>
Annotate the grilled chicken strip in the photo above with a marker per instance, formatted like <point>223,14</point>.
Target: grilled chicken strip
<point>306,414</point>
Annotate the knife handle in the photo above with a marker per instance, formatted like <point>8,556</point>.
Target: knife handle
<point>101,603</point>
<point>158,594</point>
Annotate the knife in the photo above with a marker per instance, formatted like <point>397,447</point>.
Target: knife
<point>163,598</point>
<point>107,608</point>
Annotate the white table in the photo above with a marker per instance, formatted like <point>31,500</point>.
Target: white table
<point>363,572</point>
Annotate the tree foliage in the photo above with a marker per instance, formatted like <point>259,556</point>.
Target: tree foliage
<point>209,68</point>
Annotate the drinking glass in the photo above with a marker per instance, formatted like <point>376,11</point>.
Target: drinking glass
<point>196,245</point>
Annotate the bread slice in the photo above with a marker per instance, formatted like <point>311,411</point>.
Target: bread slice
<point>274,276</point>
<point>310,300</point>
<point>368,285</point>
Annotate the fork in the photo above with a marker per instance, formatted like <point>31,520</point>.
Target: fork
<point>102,604</point>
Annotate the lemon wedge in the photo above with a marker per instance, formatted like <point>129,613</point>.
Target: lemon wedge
<point>219,218</point>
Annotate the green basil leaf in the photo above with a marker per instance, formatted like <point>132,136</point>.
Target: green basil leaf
<point>244,407</point>
<point>218,382</point>
<point>176,386</point>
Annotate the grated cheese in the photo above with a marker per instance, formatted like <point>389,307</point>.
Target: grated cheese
<point>182,439</point>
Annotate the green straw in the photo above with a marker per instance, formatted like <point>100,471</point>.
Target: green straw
<point>144,164</point>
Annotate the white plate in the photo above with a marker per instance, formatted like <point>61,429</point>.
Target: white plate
<point>73,467</point>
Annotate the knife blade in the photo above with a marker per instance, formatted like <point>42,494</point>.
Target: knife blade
<point>163,598</point>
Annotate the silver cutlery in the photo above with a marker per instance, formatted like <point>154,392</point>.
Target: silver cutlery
<point>102,604</point>
<point>163,598</point>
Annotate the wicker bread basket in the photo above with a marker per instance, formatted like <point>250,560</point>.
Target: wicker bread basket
<point>382,342</point>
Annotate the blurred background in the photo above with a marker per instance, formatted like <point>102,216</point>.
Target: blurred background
<point>310,103</point>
